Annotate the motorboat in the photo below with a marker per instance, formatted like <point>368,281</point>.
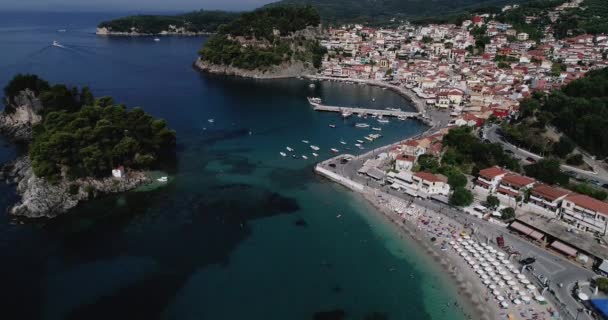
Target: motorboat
<point>156,39</point>
<point>362,125</point>
<point>305,141</point>
<point>342,142</point>
<point>57,44</point>
<point>383,120</point>
<point>314,100</point>
<point>313,147</point>
<point>211,120</point>
<point>360,141</point>
<point>162,179</point>
<point>357,145</point>
<point>304,157</point>
<point>283,154</point>
<point>332,125</point>
<point>346,114</point>
<point>369,139</point>
<point>314,154</point>
<point>289,149</point>
<point>376,129</point>
<point>334,150</point>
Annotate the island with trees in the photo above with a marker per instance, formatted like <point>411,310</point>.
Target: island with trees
<point>193,23</point>
<point>266,43</point>
<point>78,146</point>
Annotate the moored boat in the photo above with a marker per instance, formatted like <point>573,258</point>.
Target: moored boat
<point>376,129</point>
<point>313,147</point>
<point>362,125</point>
<point>289,149</point>
<point>305,141</point>
<point>334,150</point>
<point>304,157</point>
<point>314,154</point>
<point>283,154</point>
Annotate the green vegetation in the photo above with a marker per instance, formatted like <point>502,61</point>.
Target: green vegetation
<point>19,83</point>
<point>461,197</point>
<point>586,189</point>
<point>269,37</point>
<point>547,171</point>
<point>81,136</point>
<point>507,214</point>
<point>464,151</point>
<point>197,21</point>
<point>579,110</point>
<point>592,19</point>
<point>492,202</point>
<point>602,284</point>
<point>381,12</point>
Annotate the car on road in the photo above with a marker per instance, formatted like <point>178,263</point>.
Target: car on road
<point>508,151</point>
<point>527,261</point>
<point>531,160</point>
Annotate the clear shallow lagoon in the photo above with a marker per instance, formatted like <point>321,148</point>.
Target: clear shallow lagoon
<point>220,240</point>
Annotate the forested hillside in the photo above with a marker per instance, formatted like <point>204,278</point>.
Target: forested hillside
<point>197,21</point>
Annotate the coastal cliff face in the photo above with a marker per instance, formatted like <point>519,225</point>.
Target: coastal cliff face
<point>17,124</point>
<point>41,198</point>
<point>284,70</point>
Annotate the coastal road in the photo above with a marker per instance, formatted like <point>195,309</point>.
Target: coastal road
<point>600,175</point>
<point>554,267</point>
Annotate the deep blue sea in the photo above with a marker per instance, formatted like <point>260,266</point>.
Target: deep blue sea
<point>220,240</point>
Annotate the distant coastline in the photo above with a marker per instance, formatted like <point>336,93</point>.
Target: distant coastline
<point>105,32</point>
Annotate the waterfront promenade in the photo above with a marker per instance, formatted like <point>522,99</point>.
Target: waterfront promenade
<point>364,111</point>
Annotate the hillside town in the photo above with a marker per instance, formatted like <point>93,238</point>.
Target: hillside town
<point>448,68</point>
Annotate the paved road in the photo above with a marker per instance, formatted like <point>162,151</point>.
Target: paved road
<point>554,267</point>
<point>600,175</point>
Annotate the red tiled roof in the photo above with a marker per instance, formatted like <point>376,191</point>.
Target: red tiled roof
<point>507,192</point>
<point>549,192</point>
<point>589,203</point>
<point>492,172</point>
<point>405,157</point>
<point>517,180</point>
<point>427,176</point>
<point>482,183</point>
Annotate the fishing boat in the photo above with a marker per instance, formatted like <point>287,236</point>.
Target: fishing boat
<point>162,179</point>
<point>360,141</point>
<point>304,157</point>
<point>211,120</point>
<point>283,154</point>
<point>313,147</point>
<point>305,141</point>
<point>314,154</point>
<point>334,150</point>
<point>376,129</point>
<point>289,149</point>
<point>362,125</point>
<point>332,125</point>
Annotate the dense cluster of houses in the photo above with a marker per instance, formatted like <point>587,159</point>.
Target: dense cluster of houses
<point>580,211</point>
<point>438,64</point>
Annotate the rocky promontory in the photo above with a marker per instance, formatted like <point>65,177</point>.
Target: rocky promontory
<point>42,198</point>
<point>284,70</point>
<point>20,115</point>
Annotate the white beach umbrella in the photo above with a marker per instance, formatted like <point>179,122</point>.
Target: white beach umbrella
<point>452,242</point>
<point>531,287</point>
<point>492,287</point>
<point>505,261</point>
<point>502,273</point>
<point>487,269</point>
<point>500,298</point>
<point>485,277</point>
<point>459,240</point>
<point>486,282</point>
<point>525,299</point>
<point>508,278</point>
<point>502,254</point>
<point>539,298</point>
<point>504,304</point>
<point>517,301</point>
<point>522,293</point>
<point>496,279</point>
<point>501,284</point>
<point>521,276</point>
<point>466,237</point>
<point>515,288</point>
<point>485,264</point>
<point>458,250</point>
<point>490,259</point>
<point>476,267</point>
<point>525,281</point>
<point>496,292</point>
<point>515,271</point>
<point>495,263</point>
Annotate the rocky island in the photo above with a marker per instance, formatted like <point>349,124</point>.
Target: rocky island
<point>79,146</point>
<point>189,24</point>
<point>267,43</point>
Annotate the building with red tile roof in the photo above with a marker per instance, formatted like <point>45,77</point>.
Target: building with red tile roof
<point>585,213</point>
<point>547,197</point>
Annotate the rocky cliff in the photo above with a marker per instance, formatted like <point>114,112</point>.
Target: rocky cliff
<point>20,115</point>
<point>41,198</point>
<point>285,70</point>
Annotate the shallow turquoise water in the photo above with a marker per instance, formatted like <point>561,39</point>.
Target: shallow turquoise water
<point>220,240</point>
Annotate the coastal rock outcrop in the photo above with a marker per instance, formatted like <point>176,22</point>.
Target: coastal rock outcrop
<point>42,198</point>
<point>20,115</point>
<point>285,70</point>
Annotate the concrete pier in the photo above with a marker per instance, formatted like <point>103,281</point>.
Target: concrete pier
<point>382,112</point>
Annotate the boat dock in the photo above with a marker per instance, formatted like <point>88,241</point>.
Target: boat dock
<point>363,111</point>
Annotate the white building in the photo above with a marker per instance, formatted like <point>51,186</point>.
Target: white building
<point>118,172</point>
<point>430,184</point>
<point>585,213</point>
<point>548,198</point>
<point>489,178</point>
<point>404,162</point>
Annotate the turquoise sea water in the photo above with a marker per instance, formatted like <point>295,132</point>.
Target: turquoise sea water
<point>239,232</point>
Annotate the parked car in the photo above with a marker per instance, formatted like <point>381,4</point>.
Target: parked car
<point>527,261</point>
<point>531,160</point>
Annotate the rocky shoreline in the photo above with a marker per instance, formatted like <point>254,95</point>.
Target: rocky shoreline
<point>106,32</point>
<point>43,199</point>
<point>282,71</point>
<point>40,197</point>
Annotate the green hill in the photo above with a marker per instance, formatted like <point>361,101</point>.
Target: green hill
<point>379,10</point>
<point>196,22</point>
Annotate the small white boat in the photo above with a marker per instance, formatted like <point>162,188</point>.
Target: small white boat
<point>283,154</point>
<point>383,120</point>
<point>376,129</point>
<point>305,141</point>
<point>314,154</point>
<point>346,114</point>
<point>162,179</point>
<point>360,141</point>
<point>57,44</point>
<point>332,125</point>
<point>342,142</point>
<point>156,39</point>
<point>357,145</point>
<point>362,125</point>
<point>314,101</point>
<point>339,216</point>
<point>304,157</point>
<point>313,147</point>
<point>211,120</point>
<point>373,99</point>
<point>334,150</point>
<point>62,30</point>
<point>369,139</point>
<point>312,85</point>
<point>289,149</point>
